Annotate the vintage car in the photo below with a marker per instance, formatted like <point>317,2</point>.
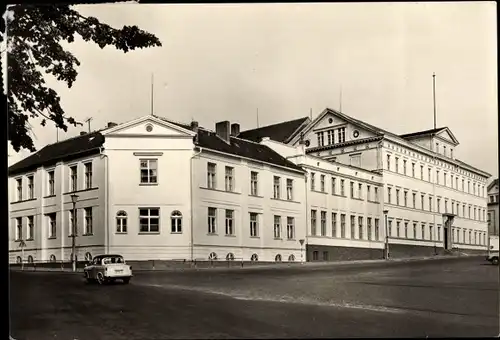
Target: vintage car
<point>107,268</point>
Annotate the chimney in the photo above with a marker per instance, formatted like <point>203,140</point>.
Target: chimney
<point>111,124</point>
<point>222,130</point>
<point>235,129</point>
<point>194,126</point>
<point>82,133</point>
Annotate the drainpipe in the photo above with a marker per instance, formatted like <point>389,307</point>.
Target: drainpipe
<point>106,197</point>
<point>307,219</point>
<point>191,190</point>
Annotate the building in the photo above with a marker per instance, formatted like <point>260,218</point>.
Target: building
<point>155,189</point>
<point>431,201</point>
<point>493,216</point>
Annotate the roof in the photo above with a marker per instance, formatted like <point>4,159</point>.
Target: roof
<point>492,184</point>
<point>53,153</point>
<point>279,132</point>
<point>238,147</point>
<point>421,133</point>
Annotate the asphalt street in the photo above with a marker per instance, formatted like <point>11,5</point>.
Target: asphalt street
<point>434,298</point>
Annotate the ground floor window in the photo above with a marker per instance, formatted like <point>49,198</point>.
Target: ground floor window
<point>278,258</point>
<point>315,255</point>
<point>212,256</point>
<point>52,258</point>
<point>254,257</point>
<point>149,220</point>
<point>230,257</point>
<point>291,258</point>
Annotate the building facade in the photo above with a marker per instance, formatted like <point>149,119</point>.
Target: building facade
<point>493,212</point>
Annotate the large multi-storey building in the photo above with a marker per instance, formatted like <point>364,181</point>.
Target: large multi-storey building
<point>493,212</point>
<point>430,199</point>
<point>155,189</point>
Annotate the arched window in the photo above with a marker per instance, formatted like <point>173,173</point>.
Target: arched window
<point>230,257</point>
<point>121,222</point>
<point>291,258</point>
<point>254,257</point>
<point>88,257</point>
<point>19,259</point>
<point>176,219</point>
<point>278,258</point>
<point>212,256</point>
<point>30,259</point>
<point>52,258</point>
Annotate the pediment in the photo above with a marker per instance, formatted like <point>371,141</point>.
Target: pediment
<point>149,126</point>
<point>448,136</point>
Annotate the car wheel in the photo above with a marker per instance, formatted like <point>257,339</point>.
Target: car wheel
<point>126,280</point>
<point>495,260</point>
<point>100,278</point>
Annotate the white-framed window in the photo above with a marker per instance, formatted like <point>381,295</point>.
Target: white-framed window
<point>429,173</point>
<point>19,228</point>
<point>375,194</point>
<point>389,196</point>
<point>323,223</point>
<point>423,231</point>
<point>254,258</point>
<point>121,222</point>
<point>430,203</point>
<point>52,218</point>
<point>31,187</point>
<point>51,182</point>
<point>437,176</point>
<point>212,220</point>
<point>229,222</point>
<point>389,228</point>
<point>342,187</point>
<point>88,228</point>
<point>360,190</point>
<point>369,228</point>
<point>254,224</point>
<point>406,230</point>
<point>313,181</point>
<point>353,227</point>
<point>289,189</point>
<point>73,173</point>
<point>413,169</point>
<point>73,222</point>
<point>377,229</point>
<point>368,192</point>
<point>398,226</point>
<point>313,222</point>
<point>352,189</point>
<point>229,178</point>
<point>291,258</point>
<point>88,175</point>
<point>277,226</point>
<point>405,197</point>
<point>438,203</point>
<point>330,136</point>
<point>52,258</point>
<point>322,182</point>
<point>290,228</point>
<point>421,172</point>
<point>30,235</point>
<point>254,183</point>
<point>277,258</point>
<point>342,225</point>
<point>397,196</point>
<point>431,230</point>
<point>334,224</point>
<point>19,189</point>
<point>422,201</point>
<point>360,227</point>
<point>149,171</point>
<point>396,164</point>
<point>149,220</point>
<point>277,187</point>
<point>388,162</point>
<point>341,134</point>
<point>211,175</point>
<point>321,138</point>
<point>176,222</point>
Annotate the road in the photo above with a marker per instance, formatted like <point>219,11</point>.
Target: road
<point>450,297</point>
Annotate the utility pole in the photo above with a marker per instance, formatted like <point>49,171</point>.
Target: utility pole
<point>88,121</point>
<point>152,93</point>
<point>74,198</point>
<point>434,96</point>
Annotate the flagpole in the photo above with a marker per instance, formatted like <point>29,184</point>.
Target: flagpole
<point>434,96</point>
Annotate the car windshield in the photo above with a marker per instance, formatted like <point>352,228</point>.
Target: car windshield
<point>112,259</point>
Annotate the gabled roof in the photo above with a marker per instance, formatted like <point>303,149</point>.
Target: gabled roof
<point>279,132</point>
<point>53,153</point>
<point>239,147</point>
<point>492,184</point>
<point>430,132</point>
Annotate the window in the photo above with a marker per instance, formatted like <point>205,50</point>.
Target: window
<point>277,258</point>
<point>367,192</point>
<point>468,187</point>
<point>475,237</point>
<point>149,220</point>
<point>291,258</point>
<point>31,187</point>
<point>437,176</point>
<point>321,138</point>
<point>212,220</point>
<point>229,178</point>
<point>121,222</point>
<point>451,180</point>
<point>470,236</point>
<point>334,224</point>
<point>360,227</point>
<point>388,162</point>
<point>422,201</point>
<point>444,179</point>
<point>438,205</point>
<point>254,225</point>
<point>406,230</point>
<point>315,255</point>
<point>149,171</point>
<point>313,184</point>
<point>444,150</point>
<point>414,197</point>
<point>429,174</point>
<point>176,222</point>
<point>463,184</point>
<point>211,176</point>
<point>290,228</point>
<point>254,183</point>
<point>414,230</point>
<point>322,182</point>
<point>469,212</point>
<point>396,163</point>
<point>334,184</point>
<point>19,229</point>
<point>313,222</point>
<point>342,187</point>
<point>277,226</point>
<point>377,229</point>
<point>437,147</point>
<point>404,166</point>
<point>369,228</point>
<point>353,226</point>
<point>342,225</point>
<point>421,172</point>
<point>51,182</point>
<point>330,136</point>
<point>397,196</point>
<point>430,203</point>
<point>376,194</point>
<point>73,222</point>
<point>254,258</point>
<point>413,169</point>
<point>229,222</point>
<point>230,257</point>
<point>390,228</point>
<point>389,195</point>
<point>73,178</point>
<point>431,229</point>
<point>360,190</point>
<point>276,186</point>
<point>341,135</point>
<point>52,258</point>
<point>19,186</point>
<point>212,256</point>
<point>87,228</point>
<point>325,256</point>
<point>289,189</point>
<point>352,189</point>
<point>439,233</point>
<point>406,198</point>
<point>323,223</point>
<point>397,228</point>
<point>52,225</point>
<point>88,175</point>
<point>31,226</point>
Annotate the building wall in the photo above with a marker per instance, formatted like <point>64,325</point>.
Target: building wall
<point>42,247</point>
<point>241,244</point>
<point>493,211</point>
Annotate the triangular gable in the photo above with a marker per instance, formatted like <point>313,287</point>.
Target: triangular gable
<point>148,125</point>
<point>447,135</point>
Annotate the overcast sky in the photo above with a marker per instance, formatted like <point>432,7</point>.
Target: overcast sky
<point>224,61</point>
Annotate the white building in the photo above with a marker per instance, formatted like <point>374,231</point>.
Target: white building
<point>155,189</point>
<point>493,211</point>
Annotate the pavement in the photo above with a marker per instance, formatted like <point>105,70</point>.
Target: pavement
<point>446,297</point>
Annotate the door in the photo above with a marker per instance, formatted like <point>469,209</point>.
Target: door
<point>446,236</point>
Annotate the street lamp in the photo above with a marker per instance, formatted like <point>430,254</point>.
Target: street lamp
<point>386,255</point>
<point>74,198</point>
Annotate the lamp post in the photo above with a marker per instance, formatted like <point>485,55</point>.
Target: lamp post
<point>74,198</point>
<point>386,255</point>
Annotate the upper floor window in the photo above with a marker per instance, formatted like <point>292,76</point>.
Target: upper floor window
<point>368,192</point>
<point>428,174</point>
<point>211,175</point>
<point>149,220</point>
<point>334,186</point>
<point>88,175</point>
<point>437,147</point>
<point>212,220</point>
<point>388,162</point>
<point>149,171</point>
<point>31,228</point>
<point>321,138</point>
<point>352,189</point>
<point>254,182</point>
<point>31,187</point>
<point>421,172</point>
<point>404,166</point>
<point>277,226</point>
<point>341,134</point>
<point>254,224</point>
<point>330,136</point>
<point>229,178</point>
<point>289,189</point>
<point>342,187</point>
<point>51,182</point>
<point>276,187</point>
<point>19,228</point>
<point>176,221</point>
<point>375,193</point>
<point>313,222</point>
<point>52,224</point>
<point>73,170</point>
<point>396,164</point>
<point>437,176</point>
<point>360,190</point>
<point>389,195</point>
<point>290,228</point>
<point>121,222</point>
<point>313,184</point>
<point>87,228</point>
<point>19,189</point>
<point>322,182</point>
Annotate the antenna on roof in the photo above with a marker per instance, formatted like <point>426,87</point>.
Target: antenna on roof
<point>152,93</point>
<point>311,113</point>
<point>88,121</point>
<point>257,117</point>
<point>434,96</point>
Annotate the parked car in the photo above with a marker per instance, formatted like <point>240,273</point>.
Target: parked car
<point>107,268</point>
<point>493,257</point>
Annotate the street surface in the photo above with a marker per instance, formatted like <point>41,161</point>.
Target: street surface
<point>435,298</point>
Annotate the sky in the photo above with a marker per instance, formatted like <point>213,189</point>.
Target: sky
<point>225,61</point>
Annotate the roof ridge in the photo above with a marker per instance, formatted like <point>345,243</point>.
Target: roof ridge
<point>283,122</point>
<point>70,138</point>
